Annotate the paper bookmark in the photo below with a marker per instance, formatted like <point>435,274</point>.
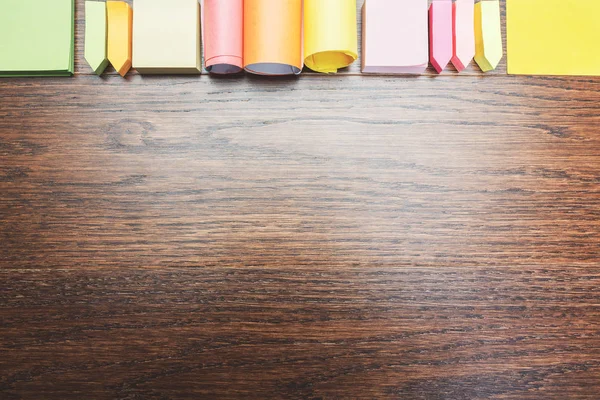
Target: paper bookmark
<point>440,34</point>
<point>463,33</point>
<point>488,35</point>
<point>95,36</point>
<point>120,19</point>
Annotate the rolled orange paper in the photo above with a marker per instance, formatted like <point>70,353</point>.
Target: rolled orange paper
<point>223,28</point>
<point>273,37</point>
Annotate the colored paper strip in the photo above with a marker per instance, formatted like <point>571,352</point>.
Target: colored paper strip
<point>120,19</point>
<point>440,34</point>
<point>488,35</point>
<point>95,36</point>
<point>223,33</point>
<point>463,33</point>
<point>273,37</point>
<point>330,40</point>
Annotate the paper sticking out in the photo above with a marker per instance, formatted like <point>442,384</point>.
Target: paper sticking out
<point>120,18</point>
<point>95,36</point>
<point>488,35</point>
<point>395,37</point>
<point>37,37</point>
<point>553,37</point>
<point>166,37</point>
<point>440,34</point>
<point>273,37</point>
<point>464,33</point>
<point>223,35</point>
<point>330,41</point>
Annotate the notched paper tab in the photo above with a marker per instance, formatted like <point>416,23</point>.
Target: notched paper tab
<point>120,19</point>
<point>95,36</point>
<point>488,35</point>
<point>463,33</point>
<point>440,34</point>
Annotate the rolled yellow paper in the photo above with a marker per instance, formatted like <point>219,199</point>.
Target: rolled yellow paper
<point>330,34</point>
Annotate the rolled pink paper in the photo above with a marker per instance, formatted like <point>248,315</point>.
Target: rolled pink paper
<point>440,34</point>
<point>223,35</point>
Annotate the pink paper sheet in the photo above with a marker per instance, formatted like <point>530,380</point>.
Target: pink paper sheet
<point>463,27</point>
<point>440,34</point>
<point>395,37</point>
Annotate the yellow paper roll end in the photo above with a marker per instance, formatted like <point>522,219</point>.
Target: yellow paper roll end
<point>329,62</point>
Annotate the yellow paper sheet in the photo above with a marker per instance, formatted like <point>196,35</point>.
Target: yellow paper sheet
<point>488,35</point>
<point>330,39</point>
<point>553,37</point>
<point>166,37</point>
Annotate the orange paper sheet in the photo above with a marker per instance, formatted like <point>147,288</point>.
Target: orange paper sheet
<point>120,21</point>
<point>223,29</point>
<point>273,37</point>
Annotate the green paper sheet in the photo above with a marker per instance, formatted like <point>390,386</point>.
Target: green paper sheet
<point>95,35</point>
<point>37,37</point>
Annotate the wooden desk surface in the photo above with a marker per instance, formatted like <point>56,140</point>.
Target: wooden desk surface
<point>321,237</point>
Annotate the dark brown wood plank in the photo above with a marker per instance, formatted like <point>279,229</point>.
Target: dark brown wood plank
<point>511,333</point>
<point>326,170</point>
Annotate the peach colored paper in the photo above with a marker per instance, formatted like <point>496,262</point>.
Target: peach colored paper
<point>395,36</point>
<point>463,27</point>
<point>223,35</point>
<point>440,34</point>
<point>119,22</point>
<point>273,37</point>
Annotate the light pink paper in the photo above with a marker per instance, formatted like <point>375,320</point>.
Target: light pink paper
<point>395,37</point>
<point>440,34</point>
<point>463,27</point>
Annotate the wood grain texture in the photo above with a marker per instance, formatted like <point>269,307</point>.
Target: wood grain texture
<point>320,237</point>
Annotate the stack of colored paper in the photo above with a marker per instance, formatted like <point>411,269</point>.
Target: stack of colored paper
<point>553,37</point>
<point>395,36</point>
<point>37,37</point>
<point>166,37</point>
